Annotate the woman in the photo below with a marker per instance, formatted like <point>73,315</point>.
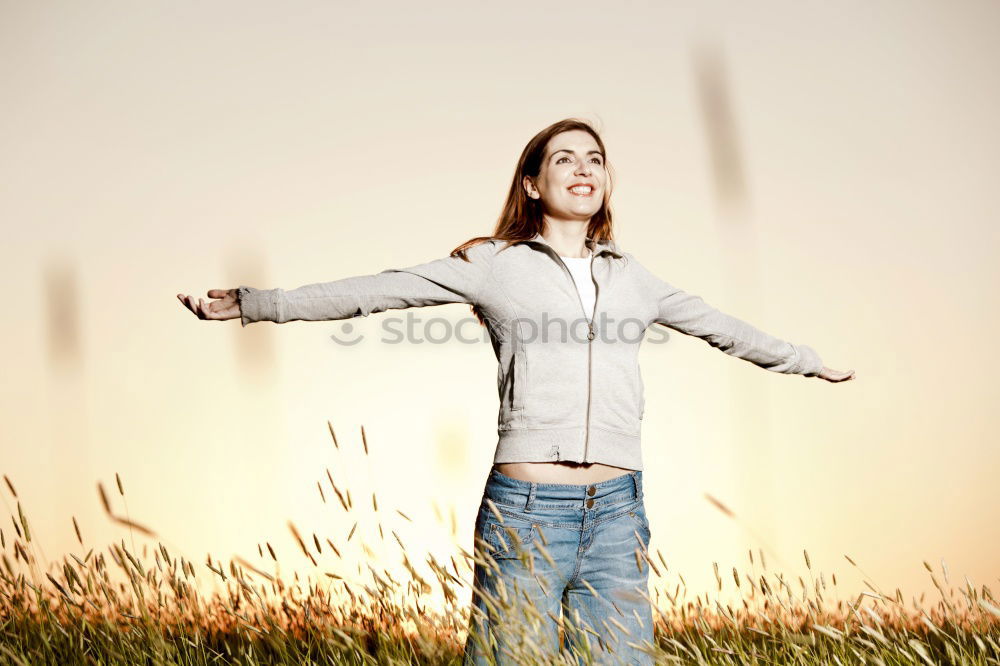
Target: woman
<point>561,533</point>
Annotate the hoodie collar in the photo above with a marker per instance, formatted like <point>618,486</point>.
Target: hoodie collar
<point>595,246</point>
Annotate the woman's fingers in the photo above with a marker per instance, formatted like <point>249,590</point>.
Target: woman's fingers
<point>184,299</point>
<point>212,309</point>
<point>837,376</point>
<point>189,301</point>
<point>196,305</point>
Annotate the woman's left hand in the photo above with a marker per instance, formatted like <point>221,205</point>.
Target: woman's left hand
<point>831,375</point>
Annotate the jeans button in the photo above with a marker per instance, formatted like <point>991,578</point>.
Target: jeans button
<point>591,490</point>
<point>590,503</point>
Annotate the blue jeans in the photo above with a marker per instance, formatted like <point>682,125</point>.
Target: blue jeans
<point>556,546</point>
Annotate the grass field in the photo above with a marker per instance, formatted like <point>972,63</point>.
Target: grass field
<point>122,605</point>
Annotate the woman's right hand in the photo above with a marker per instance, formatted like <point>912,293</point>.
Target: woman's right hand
<point>226,305</point>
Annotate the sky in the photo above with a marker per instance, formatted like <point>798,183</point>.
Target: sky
<point>824,171</point>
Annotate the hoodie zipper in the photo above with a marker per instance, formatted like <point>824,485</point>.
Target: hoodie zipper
<point>590,334</point>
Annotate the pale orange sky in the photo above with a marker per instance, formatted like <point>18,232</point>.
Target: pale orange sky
<point>177,147</point>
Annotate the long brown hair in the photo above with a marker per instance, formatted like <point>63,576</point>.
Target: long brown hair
<point>521,217</point>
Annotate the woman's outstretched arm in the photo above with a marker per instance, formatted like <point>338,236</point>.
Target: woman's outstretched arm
<point>450,279</point>
<point>691,315</point>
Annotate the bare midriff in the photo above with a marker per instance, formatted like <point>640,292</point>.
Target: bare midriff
<point>560,472</point>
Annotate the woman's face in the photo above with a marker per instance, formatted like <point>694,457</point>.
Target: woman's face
<point>572,178</point>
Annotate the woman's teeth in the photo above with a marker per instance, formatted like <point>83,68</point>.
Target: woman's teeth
<point>581,189</point>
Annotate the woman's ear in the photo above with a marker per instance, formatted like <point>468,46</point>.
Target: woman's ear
<point>529,187</point>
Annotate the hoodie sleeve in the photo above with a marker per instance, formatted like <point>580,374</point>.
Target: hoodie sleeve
<point>447,280</point>
<point>691,315</point>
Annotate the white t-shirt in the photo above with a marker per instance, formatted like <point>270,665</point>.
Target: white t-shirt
<point>580,268</point>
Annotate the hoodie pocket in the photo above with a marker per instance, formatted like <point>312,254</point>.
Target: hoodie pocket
<point>519,375</point>
<point>642,391</point>
<point>510,380</point>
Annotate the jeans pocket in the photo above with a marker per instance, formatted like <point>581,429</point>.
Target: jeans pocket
<point>637,515</point>
<point>510,539</point>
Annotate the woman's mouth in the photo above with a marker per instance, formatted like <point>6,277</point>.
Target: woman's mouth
<point>582,190</point>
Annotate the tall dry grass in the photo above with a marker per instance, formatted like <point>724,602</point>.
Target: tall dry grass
<point>116,605</point>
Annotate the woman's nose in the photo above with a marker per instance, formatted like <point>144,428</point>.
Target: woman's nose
<point>583,168</point>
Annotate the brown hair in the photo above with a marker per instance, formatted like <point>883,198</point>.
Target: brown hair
<point>521,217</point>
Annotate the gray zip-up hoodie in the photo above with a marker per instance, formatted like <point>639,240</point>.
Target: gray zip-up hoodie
<point>569,381</point>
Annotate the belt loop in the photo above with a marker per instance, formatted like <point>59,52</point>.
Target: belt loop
<point>531,497</point>
<point>638,486</point>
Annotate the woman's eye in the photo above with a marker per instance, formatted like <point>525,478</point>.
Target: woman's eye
<point>561,159</point>
<point>596,160</point>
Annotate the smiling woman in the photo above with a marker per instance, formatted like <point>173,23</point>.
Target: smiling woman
<point>567,467</point>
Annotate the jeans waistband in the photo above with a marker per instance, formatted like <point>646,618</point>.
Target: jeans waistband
<point>514,492</point>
